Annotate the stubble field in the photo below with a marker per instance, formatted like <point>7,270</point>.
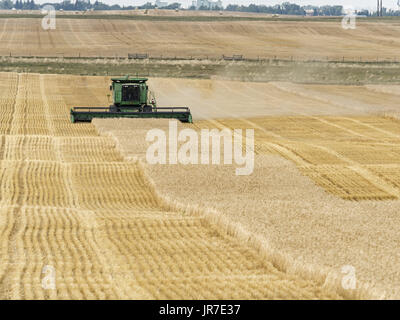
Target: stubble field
<point>283,39</point>
<point>70,202</point>
<point>331,203</point>
<point>111,227</point>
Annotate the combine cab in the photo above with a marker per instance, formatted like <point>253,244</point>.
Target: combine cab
<point>132,99</point>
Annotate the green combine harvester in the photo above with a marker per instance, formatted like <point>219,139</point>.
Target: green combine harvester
<point>132,99</point>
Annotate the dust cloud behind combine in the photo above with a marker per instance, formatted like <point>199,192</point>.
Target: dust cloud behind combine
<point>229,99</point>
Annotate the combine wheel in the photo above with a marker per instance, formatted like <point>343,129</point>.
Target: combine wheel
<point>147,109</point>
<point>114,108</point>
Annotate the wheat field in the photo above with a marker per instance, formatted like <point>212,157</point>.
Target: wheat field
<point>70,201</point>
<point>79,198</point>
<point>310,216</point>
<point>284,39</point>
<point>325,189</point>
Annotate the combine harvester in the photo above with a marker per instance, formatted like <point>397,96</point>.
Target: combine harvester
<point>132,99</point>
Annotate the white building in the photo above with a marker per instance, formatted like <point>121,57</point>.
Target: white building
<point>206,3</point>
<point>309,12</point>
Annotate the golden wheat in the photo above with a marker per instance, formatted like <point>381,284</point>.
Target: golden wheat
<point>68,201</point>
<point>287,212</point>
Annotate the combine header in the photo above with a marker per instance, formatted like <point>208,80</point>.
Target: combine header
<point>132,99</point>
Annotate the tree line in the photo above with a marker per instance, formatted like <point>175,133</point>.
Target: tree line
<point>288,8</point>
<point>78,5</point>
<point>66,5</point>
<point>285,8</point>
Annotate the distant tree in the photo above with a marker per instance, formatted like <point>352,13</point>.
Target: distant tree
<point>330,10</point>
<point>284,8</point>
<point>6,4</point>
<point>389,12</point>
<point>31,5</point>
<point>287,8</point>
<point>363,13</point>
<point>291,8</point>
<point>147,5</point>
<point>232,7</point>
<point>100,6</point>
<point>172,6</point>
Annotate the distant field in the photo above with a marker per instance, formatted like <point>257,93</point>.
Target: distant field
<point>282,38</point>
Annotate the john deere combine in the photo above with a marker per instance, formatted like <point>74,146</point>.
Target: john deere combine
<point>132,99</point>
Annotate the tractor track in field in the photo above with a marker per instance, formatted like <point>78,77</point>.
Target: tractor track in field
<point>6,278</point>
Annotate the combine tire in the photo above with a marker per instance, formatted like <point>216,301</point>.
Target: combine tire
<point>147,109</point>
